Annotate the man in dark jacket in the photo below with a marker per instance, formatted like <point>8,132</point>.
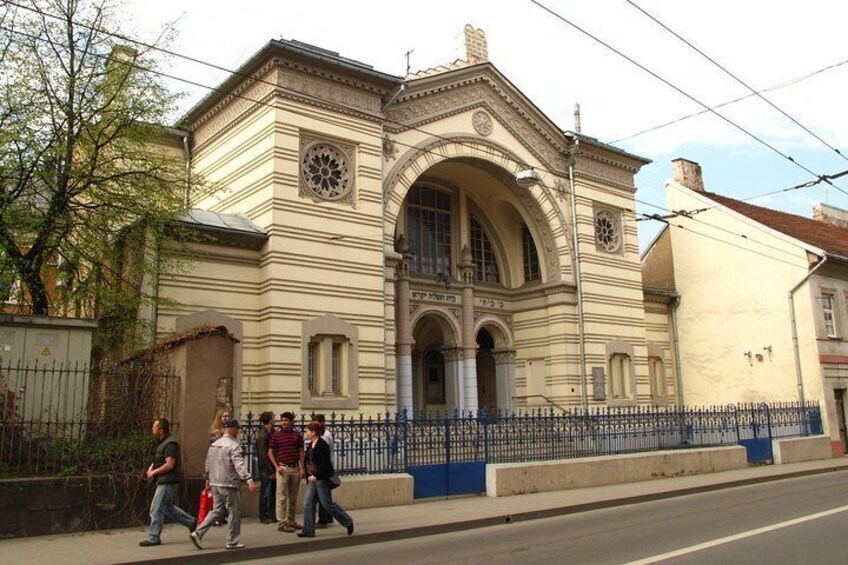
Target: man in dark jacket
<point>166,471</point>
<point>267,473</point>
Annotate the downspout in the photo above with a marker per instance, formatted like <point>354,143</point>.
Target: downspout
<point>798,374</point>
<point>675,303</point>
<point>581,338</point>
<point>187,151</point>
<point>385,107</point>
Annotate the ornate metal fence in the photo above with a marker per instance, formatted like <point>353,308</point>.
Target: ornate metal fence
<point>69,419</point>
<point>394,443</point>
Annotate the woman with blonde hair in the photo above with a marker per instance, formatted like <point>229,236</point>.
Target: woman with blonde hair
<point>216,429</point>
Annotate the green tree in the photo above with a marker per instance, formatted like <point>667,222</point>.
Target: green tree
<point>82,157</point>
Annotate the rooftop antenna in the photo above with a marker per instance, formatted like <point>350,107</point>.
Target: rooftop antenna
<point>577,126</point>
<point>408,53</point>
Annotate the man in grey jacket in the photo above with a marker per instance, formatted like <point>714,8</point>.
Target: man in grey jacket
<point>225,471</point>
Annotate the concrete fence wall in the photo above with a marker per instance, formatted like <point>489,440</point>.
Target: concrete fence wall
<point>796,450</point>
<point>544,476</point>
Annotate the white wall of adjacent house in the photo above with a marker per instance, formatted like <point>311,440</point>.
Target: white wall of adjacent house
<point>734,321</point>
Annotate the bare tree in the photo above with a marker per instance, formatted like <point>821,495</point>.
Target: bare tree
<point>82,158</point>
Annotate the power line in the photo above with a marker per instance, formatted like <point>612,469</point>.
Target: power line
<point>785,84</point>
<point>680,91</point>
<point>736,78</point>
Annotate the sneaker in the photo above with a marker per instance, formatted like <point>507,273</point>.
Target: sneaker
<point>195,539</point>
<point>321,526</point>
<point>303,535</point>
<point>148,543</point>
<point>350,529</point>
<point>288,528</point>
<point>295,525</point>
<point>235,545</point>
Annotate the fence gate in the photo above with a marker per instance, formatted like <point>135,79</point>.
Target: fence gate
<point>754,429</point>
<point>447,456</point>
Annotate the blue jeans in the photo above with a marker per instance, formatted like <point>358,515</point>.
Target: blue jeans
<point>267,498</point>
<point>162,506</point>
<point>320,490</point>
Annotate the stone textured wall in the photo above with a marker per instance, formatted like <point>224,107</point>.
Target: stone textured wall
<point>60,505</point>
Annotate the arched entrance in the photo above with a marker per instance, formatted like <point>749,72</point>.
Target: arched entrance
<point>435,371</point>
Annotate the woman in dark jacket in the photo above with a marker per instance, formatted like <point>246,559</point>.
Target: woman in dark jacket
<point>319,469</point>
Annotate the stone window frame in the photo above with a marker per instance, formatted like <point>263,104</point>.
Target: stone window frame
<point>618,225</point>
<point>307,142</point>
<point>659,387</point>
<point>322,335</point>
<point>615,350</point>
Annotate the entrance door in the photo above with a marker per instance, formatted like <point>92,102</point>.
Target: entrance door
<point>839,393</point>
<point>487,390</point>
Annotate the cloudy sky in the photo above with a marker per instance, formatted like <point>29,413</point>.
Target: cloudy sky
<point>766,44</point>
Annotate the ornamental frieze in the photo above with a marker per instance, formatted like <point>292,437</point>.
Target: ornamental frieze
<point>329,91</point>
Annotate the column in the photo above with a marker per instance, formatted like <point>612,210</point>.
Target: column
<point>403,346</point>
<point>469,339</point>
<point>505,378</point>
<point>453,376</point>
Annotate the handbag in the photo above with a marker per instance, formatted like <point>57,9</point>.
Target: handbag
<point>335,481</point>
<point>205,505</point>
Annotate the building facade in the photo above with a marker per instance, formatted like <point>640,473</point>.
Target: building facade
<point>432,242</point>
<point>762,314</point>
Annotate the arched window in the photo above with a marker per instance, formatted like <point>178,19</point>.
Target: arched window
<point>531,256</point>
<point>428,228</point>
<point>485,266</point>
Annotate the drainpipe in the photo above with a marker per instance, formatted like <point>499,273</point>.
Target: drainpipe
<point>675,303</point>
<point>187,151</point>
<point>798,374</point>
<point>383,202</point>
<point>581,338</point>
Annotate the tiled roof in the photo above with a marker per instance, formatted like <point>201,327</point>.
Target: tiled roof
<point>830,238</point>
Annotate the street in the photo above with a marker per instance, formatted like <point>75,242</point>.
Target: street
<point>784,522</point>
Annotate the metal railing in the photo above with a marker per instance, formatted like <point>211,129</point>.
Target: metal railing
<point>70,419</point>
<point>394,443</point>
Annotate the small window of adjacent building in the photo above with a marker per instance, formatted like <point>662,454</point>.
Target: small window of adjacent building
<point>619,372</point>
<point>531,256</point>
<point>330,375</point>
<point>829,315</point>
<point>656,374</point>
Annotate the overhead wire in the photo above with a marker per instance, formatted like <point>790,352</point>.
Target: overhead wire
<point>679,90</point>
<point>784,84</point>
<point>736,78</point>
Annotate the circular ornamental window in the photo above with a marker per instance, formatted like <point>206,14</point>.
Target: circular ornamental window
<point>326,171</point>
<point>607,231</point>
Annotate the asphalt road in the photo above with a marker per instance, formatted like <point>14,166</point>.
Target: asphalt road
<point>787,522</point>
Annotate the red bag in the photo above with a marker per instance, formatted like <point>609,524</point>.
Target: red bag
<point>205,505</point>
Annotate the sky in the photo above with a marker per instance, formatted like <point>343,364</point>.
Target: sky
<point>764,43</point>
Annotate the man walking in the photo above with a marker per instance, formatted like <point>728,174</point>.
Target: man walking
<point>225,470</point>
<point>267,472</point>
<point>324,517</point>
<point>285,450</point>
<point>166,471</point>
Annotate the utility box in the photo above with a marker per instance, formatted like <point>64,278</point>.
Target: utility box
<point>31,340</point>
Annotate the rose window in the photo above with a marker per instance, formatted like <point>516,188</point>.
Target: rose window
<point>326,171</point>
<point>607,232</point>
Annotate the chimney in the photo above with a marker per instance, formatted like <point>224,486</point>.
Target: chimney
<point>688,173</point>
<point>476,50</point>
<point>830,215</point>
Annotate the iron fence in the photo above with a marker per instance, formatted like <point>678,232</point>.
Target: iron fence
<point>394,443</point>
<point>68,419</point>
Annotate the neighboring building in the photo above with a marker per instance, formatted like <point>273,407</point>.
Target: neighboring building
<point>408,243</point>
<point>750,278</point>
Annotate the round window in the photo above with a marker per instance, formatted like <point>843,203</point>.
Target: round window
<point>326,171</point>
<point>607,231</point>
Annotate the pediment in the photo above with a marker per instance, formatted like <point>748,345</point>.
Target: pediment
<point>428,100</point>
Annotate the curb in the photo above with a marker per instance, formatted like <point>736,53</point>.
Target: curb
<point>220,556</point>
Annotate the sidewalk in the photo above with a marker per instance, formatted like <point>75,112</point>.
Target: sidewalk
<point>380,524</point>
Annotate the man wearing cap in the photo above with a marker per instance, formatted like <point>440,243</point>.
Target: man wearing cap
<point>225,471</point>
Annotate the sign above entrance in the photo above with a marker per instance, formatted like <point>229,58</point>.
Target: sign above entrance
<point>439,297</point>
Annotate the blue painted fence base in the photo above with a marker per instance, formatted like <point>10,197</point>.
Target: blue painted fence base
<point>448,480</point>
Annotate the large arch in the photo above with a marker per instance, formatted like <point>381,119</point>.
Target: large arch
<point>544,213</point>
